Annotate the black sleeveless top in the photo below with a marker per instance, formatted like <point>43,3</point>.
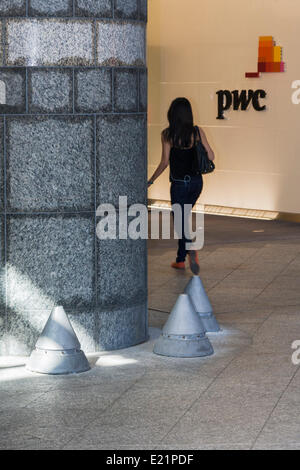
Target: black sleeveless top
<point>183,162</point>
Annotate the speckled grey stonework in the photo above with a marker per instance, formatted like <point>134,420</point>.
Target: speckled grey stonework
<point>23,330</point>
<point>1,169</point>
<point>56,169</point>
<point>14,80</point>
<point>79,139</point>
<point>144,10</point>
<point>126,9</point>
<point>50,261</point>
<point>143,90</point>
<point>84,325</point>
<point>3,322</point>
<point>12,7</point>
<point>125,286</point>
<point>126,90</point>
<point>120,43</point>
<point>93,90</point>
<point>2,275</point>
<point>49,42</point>
<point>1,47</point>
<point>50,91</point>
<point>98,8</point>
<point>52,7</point>
<point>3,334</point>
<point>121,156</point>
<point>122,327</point>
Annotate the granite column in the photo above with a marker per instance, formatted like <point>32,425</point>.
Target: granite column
<point>73,101</point>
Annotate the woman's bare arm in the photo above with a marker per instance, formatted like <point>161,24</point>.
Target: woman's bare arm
<point>210,152</point>
<point>164,162</point>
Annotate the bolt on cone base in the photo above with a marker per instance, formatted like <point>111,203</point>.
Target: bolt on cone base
<point>202,305</point>
<point>175,347</point>
<point>57,362</point>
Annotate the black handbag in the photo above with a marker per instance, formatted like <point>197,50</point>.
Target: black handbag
<point>205,165</point>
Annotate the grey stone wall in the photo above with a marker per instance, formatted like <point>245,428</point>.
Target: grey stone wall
<point>72,136</point>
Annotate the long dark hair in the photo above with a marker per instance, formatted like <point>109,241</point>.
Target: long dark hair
<point>181,123</point>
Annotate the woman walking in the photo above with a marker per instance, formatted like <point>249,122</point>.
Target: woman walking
<point>179,151</point>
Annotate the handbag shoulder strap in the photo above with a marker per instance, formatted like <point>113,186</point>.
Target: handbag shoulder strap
<point>198,132</point>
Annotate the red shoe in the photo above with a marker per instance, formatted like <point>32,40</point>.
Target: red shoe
<point>180,265</point>
<point>194,262</point>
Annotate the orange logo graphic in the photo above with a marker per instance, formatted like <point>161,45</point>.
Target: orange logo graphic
<point>269,57</point>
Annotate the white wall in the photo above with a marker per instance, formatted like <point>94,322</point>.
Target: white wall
<point>197,47</point>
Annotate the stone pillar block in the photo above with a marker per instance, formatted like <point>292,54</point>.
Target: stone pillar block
<point>73,102</point>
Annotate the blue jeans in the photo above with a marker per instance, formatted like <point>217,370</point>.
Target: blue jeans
<point>184,192</point>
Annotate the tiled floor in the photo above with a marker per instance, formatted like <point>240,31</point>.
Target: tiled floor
<point>245,396</point>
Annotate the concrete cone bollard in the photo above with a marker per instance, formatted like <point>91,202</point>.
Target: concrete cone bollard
<point>57,350</point>
<point>196,291</point>
<point>183,335</point>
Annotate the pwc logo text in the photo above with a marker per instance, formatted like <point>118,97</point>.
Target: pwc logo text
<point>269,61</point>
